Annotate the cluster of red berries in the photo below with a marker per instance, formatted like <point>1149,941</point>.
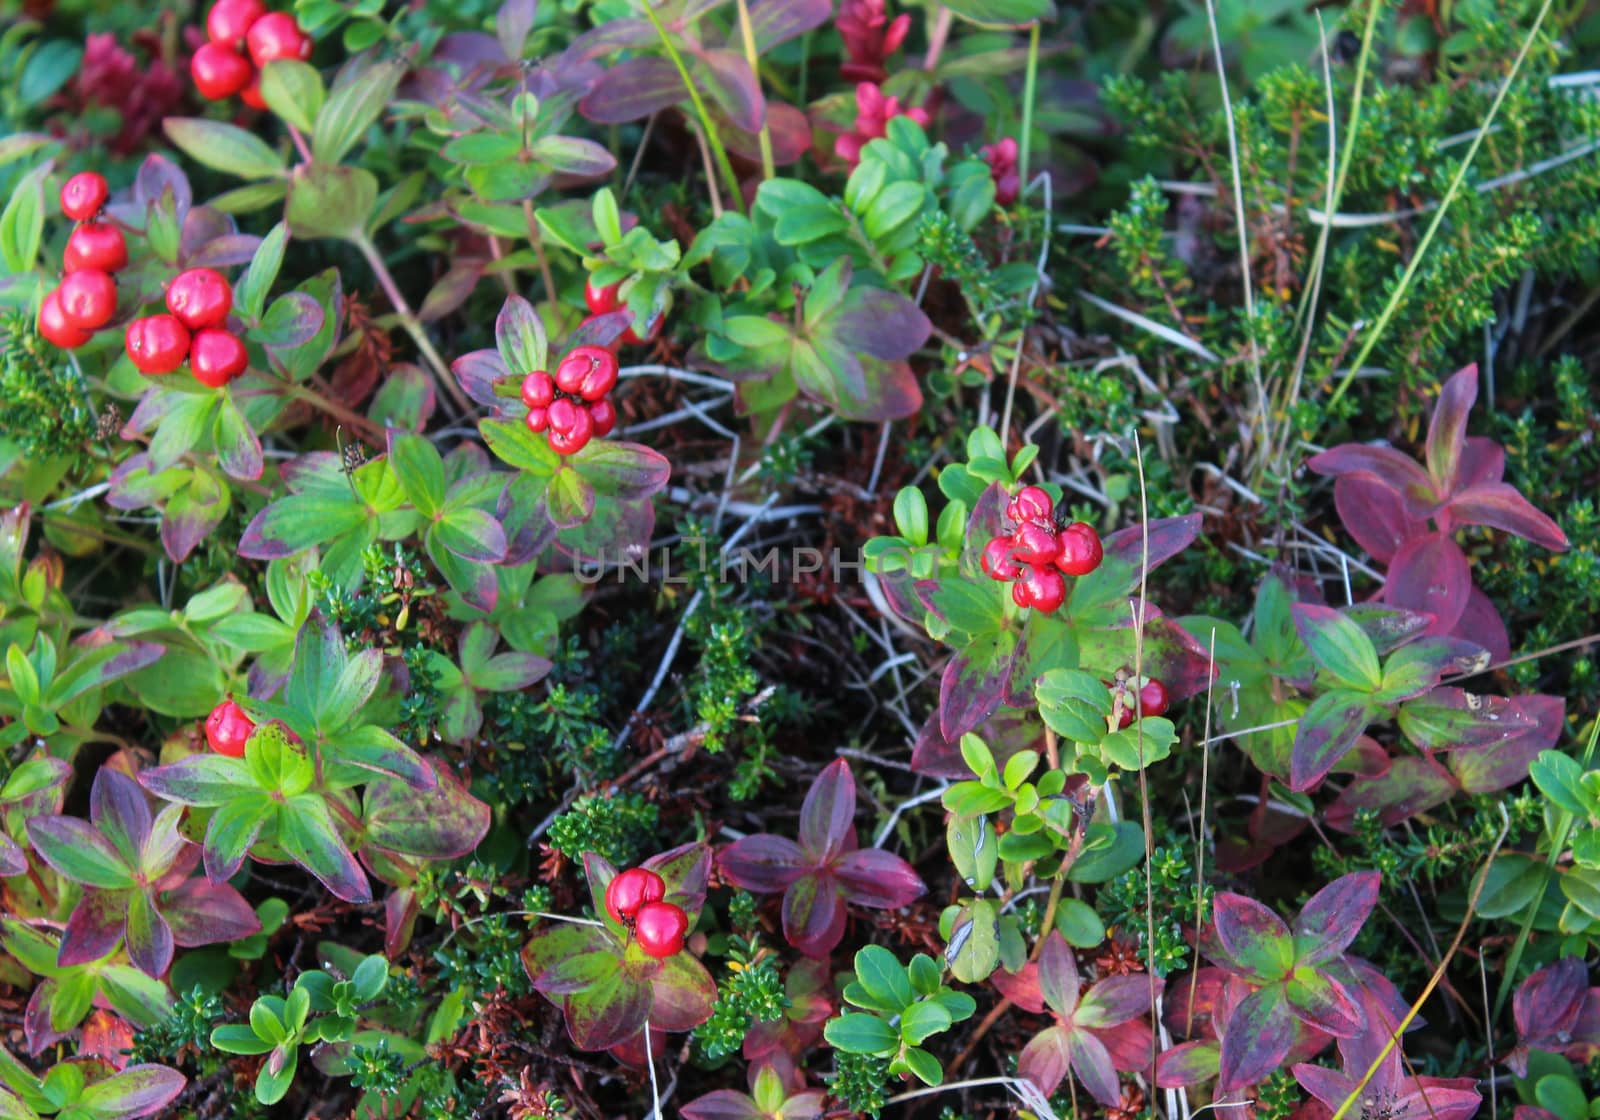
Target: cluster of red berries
<point>198,303</point>
<point>1035,555</point>
<point>874,111</point>
<point>228,729</point>
<point>1002,160</point>
<point>603,301</point>
<point>244,37</point>
<point>1130,694</point>
<point>572,407</point>
<point>86,298</point>
<point>634,899</point>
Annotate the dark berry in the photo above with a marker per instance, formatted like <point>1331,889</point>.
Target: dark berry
<point>219,71</point>
<point>228,729</point>
<point>216,357</point>
<point>83,195</point>
<point>660,928</point>
<point>200,297</point>
<point>1080,550</point>
<point>53,325</point>
<point>630,890</point>
<point>156,344</point>
<point>88,298</point>
<point>96,245</point>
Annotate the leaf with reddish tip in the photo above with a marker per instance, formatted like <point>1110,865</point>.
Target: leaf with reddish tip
<point>633,89</point>
<point>684,994</point>
<point>1500,505</point>
<point>1413,784</point>
<point>1058,975</point>
<point>877,879</point>
<point>1504,764</point>
<point>556,941</point>
<point>1328,729</point>
<point>1045,1060</point>
<point>1255,940</point>
<point>1168,536</point>
<point>1447,430</point>
<point>576,972</point>
<point>626,471</point>
<point>1092,1063</point>
<point>1333,916</point>
<point>612,1010</point>
<point>477,372</point>
<point>307,834</point>
<point>1375,516</point>
<point>1257,1039</point>
<point>1188,1063</point>
<point>880,323</point>
<point>1387,627</point>
<point>1451,719</point>
<point>814,915</point>
<point>1322,1002</point>
<point>1384,465</point>
<point>445,822</point>
<point>203,913</point>
<point>828,812</point>
<point>519,337</point>
<point>1429,574</point>
<point>149,937</point>
<point>94,928</point>
<point>763,863</point>
<point>1114,1000</point>
<point>1418,667</point>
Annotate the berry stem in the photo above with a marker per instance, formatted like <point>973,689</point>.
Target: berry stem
<point>300,144</point>
<point>413,326</point>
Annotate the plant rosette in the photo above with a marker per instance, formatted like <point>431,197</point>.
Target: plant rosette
<point>607,986</point>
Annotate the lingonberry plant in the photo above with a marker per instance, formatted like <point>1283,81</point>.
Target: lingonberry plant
<point>783,560</point>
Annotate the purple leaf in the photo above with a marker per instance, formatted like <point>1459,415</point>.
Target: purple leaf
<point>1092,1063</point>
<point>1328,729</point>
<point>1256,941</point>
<point>1383,465</point>
<point>13,860</point>
<point>158,174</point>
<point>512,22</point>
<point>1389,628</point>
<point>1500,505</point>
<point>1045,1060</point>
<point>610,37</point>
<point>293,320</point>
<point>633,89</point>
<point>1429,573</point>
<point>828,812</point>
<point>1482,460</point>
<point>227,251</point>
<point>814,915</point>
<point>972,683</point>
<point>1168,537</point>
<point>519,337</point>
<point>684,994</point>
<point>1333,916</point>
<point>877,879</point>
<point>778,21</point>
<point>148,934</point>
<point>722,1104</point>
<point>190,517</point>
<point>1058,975</point>
<point>1259,1034</point>
<point>203,913</point>
<point>763,863</point>
<point>118,808</point>
<point>726,76</point>
<point>141,1090</point>
<point>1480,624</point>
<point>1375,516</point>
<point>1447,430</point>
<point>94,928</point>
<point>1547,1004</point>
<point>1322,1002</point>
<point>1189,1063</point>
<point>1115,999</point>
<point>1452,718</point>
<point>477,373</point>
<point>1504,764</point>
<point>1414,784</point>
<point>879,323</point>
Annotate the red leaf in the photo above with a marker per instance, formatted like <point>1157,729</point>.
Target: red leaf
<point>1168,537</point>
<point>813,915</point>
<point>633,89</point>
<point>1258,1036</point>
<point>1383,465</point>
<point>1480,624</point>
<point>1044,1061</point>
<point>1430,574</point>
<point>878,879</point>
<point>827,812</point>
<point>1500,505</point>
<point>1254,939</point>
<point>1333,916</point>
<point>1020,987</point>
<point>1504,764</point>
<point>1375,516</point>
<point>1114,1000</point>
<point>1447,430</point>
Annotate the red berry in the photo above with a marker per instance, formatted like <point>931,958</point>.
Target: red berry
<point>83,195</point>
<point>1080,550</point>
<point>1032,503</point>
<point>216,357</point>
<point>230,21</point>
<point>660,928</point>
<point>1041,588</point>
<point>651,332</point>
<point>588,371</point>
<point>575,436</point>
<point>277,35</point>
<point>538,389</point>
<point>251,94</point>
<point>53,325</point>
<point>88,298</point>
<point>1153,697</point>
<point>156,344</point>
<point>630,890</point>
<point>538,419</point>
<point>97,245</point>
<point>600,300</point>
<point>200,297</point>
<point>228,729</point>
<point>220,71</point>
<point>563,414</point>
<point>997,562</point>
<point>1033,543</point>
<point>604,415</point>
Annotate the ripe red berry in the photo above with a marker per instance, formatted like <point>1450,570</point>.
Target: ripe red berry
<point>660,928</point>
<point>97,245</point>
<point>588,371</point>
<point>156,344</point>
<point>53,325</point>
<point>600,300</point>
<point>88,298</point>
<point>83,195</point>
<point>604,415</point>
<point>1080,550</point>
<point>997,562</point>
<point>1041,588</point>
<point>251,94</point>
<point>230,21</point>
<point>630,890</point>
<point>1032,503</point>
<point>228,729</point>
<point>220,71</point>
<point>216,357</point>
<point>574,435</point>
<point>200,297</point>
<point>563,414</point>
<point>538,419</point>
<point>538,389</point>
<point>1033,543</point>
<point>276,35</point>
<point>1153,697</point>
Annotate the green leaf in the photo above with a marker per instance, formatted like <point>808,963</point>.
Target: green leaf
<point>519,336</point>
<point>350,110</point>
<point>995,13</point>
<point>250,293</point>
<point>237,1038</point>
<point>922,1020</point>
<point>1339,646</point>
<point>48,68</point>
<point>293,90</point>
<point>974,948</point>
<point>420,469</point>
<point>883,979</point>
<point>859,1033</point>
<point>974,850</point>
<point>22,222</point>
<point>327,201</point>
<point>224,147</point>
<point>1074,704</point>
<point>1146,741</point>
<point>1560,778</point>
<point>1077,921</point>
<point>924,1065</point>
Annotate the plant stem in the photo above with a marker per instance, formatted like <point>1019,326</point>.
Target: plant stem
<point>1030,83</point>
<point>748,34</point>
<point>413,326</point>
<point>538,250</point>
<point>706,126</point>
<point>937,38</point>
<point>1399,293</point>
